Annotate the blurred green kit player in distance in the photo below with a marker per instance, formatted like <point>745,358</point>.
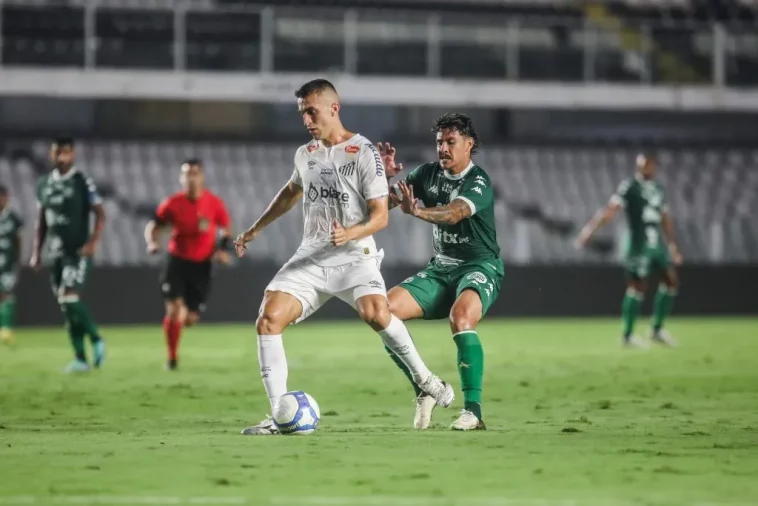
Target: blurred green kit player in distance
<point>66,199</point>
<point>463,278</point>
<point>10,257</point>
<point>650,249</point>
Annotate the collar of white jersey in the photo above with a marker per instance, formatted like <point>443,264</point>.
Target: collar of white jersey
<point>58,177</point>
<point>5,212</point>
<point>321,145</point>
<point>460,175</point>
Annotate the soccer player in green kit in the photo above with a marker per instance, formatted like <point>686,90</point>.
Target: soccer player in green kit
<point>66,199</point>
<point>463,278</point>
<point>650,248</point>
<point>10,255</point>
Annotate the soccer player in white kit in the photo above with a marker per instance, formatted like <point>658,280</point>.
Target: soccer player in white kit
<point>340,177</point>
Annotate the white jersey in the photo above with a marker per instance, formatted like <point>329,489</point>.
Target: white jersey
<point>337,181</point>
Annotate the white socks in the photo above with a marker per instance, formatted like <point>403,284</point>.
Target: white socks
<point>273,364</point>
<point>398,339</point>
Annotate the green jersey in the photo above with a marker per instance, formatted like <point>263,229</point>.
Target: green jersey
<point>10,227</point>
<point>644,203</point>
<point>67,202</point>
<point>473,238</point>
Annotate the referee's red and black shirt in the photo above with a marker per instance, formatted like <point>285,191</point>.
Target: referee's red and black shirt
<point>194,224</point>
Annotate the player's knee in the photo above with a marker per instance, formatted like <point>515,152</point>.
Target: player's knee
<point>463,318</point>
<point>269,322</point>
<point>376,314</point>
<point>191,319</point>
<point>175,310</point>
<point>672,281</point>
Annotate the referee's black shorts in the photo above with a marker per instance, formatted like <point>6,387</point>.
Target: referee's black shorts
<point>187,280</point>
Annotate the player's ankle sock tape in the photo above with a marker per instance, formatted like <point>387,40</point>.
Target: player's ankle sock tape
<point>403,368</point>
<point>470,365</point>
<point>397,338</point>
<point>273,366</point>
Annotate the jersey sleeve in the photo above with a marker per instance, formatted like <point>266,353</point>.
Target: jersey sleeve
<point>92,195</point>
<point>619,198</point>
<point>222,214</point>
<point>477,193</point>
<point>164,211</point>
<point>296,178</point>
<point>371,174</point>
<point>415,179</point>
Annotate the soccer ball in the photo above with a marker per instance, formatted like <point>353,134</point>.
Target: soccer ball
<point>296,413</point>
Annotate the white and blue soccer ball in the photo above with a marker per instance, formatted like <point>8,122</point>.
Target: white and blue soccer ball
<point>296,413</point>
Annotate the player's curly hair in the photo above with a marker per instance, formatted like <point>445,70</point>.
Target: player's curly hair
<point>460,122</point>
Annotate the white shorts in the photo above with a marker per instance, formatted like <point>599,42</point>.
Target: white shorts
<point>313,285</point>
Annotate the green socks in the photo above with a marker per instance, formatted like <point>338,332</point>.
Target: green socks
<point>403,368</point>
<point>79,323</point>
<point>662,304</point>
<point>88,323</point>
<point>629,310</point>
<point>75,329</point>
<point>7,313</point>
<point>470,369</point>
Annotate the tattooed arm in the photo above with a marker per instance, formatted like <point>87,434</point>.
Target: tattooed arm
<point>450,214</point>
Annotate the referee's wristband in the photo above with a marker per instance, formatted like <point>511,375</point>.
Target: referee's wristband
<point>225,243</point>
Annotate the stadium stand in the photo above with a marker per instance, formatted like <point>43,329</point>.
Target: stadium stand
<point>614,41</point>
<point>543,195</point>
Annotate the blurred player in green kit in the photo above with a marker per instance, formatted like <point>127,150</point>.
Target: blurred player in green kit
<point>10,257</point>
<point>650,249</point>
<point>463,278</point>
<point>67,199</point>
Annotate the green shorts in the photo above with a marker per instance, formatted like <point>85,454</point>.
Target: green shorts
<point>438,286</point>
<point>641,265</point>
<point>69,273</point>
<point>8,282</point>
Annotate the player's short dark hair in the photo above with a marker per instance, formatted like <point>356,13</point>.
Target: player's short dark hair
<point>64,141</point>
<point>315,86</point>
<point>193,161</point>
<point>459,122</point>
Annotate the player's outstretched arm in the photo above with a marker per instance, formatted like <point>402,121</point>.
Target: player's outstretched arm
<point>152,233</point>
<point>39,238</point>
<point>601,219</point>
<point>449,214</point>
<point>285,200</point>
<point>378,218</point>
<point>667,224</point>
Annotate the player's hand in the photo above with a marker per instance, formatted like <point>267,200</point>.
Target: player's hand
<point>223,257</point>
<point>34,262</point>
<point>240,243</point>
<point>88,249</point>
<point>387,154</point>
<point>409,204</point>
<point>339,234</point>
<point>676,257</point>
<point>153,248</point>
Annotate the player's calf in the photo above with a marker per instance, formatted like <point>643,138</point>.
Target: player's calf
<point>173,321</point>
<point>464,316</point>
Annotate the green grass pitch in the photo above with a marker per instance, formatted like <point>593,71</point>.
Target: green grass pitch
<point>573,420</point>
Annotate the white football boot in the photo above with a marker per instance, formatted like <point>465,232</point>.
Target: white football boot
<point>264,428</point>
<point>441,391</point>
<point>634,341</point>
<point>468,421</point>
<point>425,404</point>
<point>663,337</point>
